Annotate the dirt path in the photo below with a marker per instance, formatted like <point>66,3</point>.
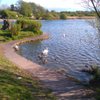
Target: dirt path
<point>60,84</point>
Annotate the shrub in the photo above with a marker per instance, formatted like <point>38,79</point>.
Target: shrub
<point>48,16</point>
<point>5,25</point>
<point>63,16</point>
<point>15,29</point>
<point>8,14</point>
<point>95,72</point>
<point>30,25</point>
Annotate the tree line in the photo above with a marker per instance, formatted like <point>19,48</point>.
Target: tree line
<point>34,11</point>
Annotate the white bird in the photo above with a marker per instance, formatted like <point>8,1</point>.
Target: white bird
<point>64,35</point>
<point>16,47</point>
<point>45,52</point>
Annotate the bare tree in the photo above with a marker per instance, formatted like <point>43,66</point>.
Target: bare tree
<point>93,5</point>
<point>96,6</point>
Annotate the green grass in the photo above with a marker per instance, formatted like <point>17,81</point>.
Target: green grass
<point>9,35</point>
<point>6,36</point>
<point>14,88</point>
<point>24,34</point>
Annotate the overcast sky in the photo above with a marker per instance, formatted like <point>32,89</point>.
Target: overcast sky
<point>57,5</point>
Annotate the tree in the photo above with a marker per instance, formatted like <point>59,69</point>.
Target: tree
<point>96,4</point>
<point>12,7</point>
<point>63,16</point>
<point>93,5</point>
<point>25,9</point>
<point>37,10</point>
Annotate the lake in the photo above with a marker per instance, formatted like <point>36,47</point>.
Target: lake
<point>73,44</point>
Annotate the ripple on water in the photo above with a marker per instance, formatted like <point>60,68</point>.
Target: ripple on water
<point>72,52</point>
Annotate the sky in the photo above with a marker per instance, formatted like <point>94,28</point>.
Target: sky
<point>57,5</point>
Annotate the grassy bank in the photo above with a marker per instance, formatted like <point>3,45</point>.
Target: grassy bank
<point>22,28</point>
<point>5,35</point>
<point>16,84</point>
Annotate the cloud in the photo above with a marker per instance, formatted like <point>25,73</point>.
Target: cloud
<point>73,4</point>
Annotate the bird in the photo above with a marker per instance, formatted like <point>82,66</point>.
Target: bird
<point>43,56</point>
<point>64,35</point>
<point>16,47</point>
<point>45,52</point>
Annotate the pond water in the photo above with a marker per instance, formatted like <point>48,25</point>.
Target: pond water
<point>72,44</point>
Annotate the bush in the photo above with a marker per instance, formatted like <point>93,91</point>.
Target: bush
<point>63,16</point>
<point>15,29</point>
<point>95,72</point>
<point>21,29</point>
<point>8,14</point>
<point>30,25</point>
<point>48,16</point>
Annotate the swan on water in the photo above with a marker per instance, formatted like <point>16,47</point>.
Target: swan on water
<point>45,52</point>
<point>64,35</point>
<point>43,56</point>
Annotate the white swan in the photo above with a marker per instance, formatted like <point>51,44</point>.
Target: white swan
<point>16,47</point>
<point>45,52</point>
<point>64,35</point>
